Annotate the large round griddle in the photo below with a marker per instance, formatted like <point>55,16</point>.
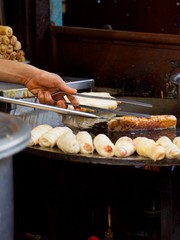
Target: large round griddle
<point>133,160</point>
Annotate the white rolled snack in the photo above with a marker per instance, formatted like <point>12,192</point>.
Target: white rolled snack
<point>68,143</point>
<point>124,147</point>
<point>37,132</point>
<point>172,151</point>
<point>103,145</point>
<point>149,148</point>
<point>85,141</point>
<point>176,141</point>
<point>49,138</point>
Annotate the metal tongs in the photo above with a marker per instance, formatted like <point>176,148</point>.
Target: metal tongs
<point>74,112</point>
<point>119,100</point>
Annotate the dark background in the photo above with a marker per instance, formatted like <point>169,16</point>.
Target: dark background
<point>30,20</point>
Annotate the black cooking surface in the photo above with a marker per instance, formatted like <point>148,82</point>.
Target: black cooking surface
<point>133,160</point>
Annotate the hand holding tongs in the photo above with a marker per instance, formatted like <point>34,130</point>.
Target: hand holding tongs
<point>74,112</point>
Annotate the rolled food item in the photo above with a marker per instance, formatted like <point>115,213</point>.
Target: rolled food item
<point>12,55</point>
<point>6,30</point>
<point>5,39</point>
<point>37,132</point>
<point>172,151</point>
<point>85,142</point>
<point>68,143</point>
<point>124,147</point>
<point>3,48</point>
<point>13,40</point>
<point>104,145</point>
<point>17,46</point>
<point>6,56</point>
<point>9,48</point>
<point>149,148</point>
<point>49,138</point>
<point>176,141</point>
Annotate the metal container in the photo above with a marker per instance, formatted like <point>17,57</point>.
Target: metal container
<point>14,137</point>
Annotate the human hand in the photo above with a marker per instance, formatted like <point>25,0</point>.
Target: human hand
<point>44,84</point>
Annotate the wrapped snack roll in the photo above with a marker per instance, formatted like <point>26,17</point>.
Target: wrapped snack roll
<point>9,43</point>
<point>3,48</point>
<point>17,46</point>
<point>107,104</point>
<point>68,143</point>
<point>9,48</point>
<point>12,55</point>
<point>37,132</point>
<point>5,39</point>
<point>124,147</point>
<point>172,151</point>
<point>49,138</point>
<point>176,141</point>
<point>149,148</point>
<point>6,30</point>
<point>13,40</point>
<point>6,56</point>
<point>85,142</point>
<point>104,145</point>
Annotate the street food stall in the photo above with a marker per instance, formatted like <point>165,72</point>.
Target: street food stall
<point>66,196</point>
<point>53,181</point>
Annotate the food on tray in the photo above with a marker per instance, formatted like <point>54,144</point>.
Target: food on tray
<point>68,143</point>
<point>37,132</point>
<point>149,148</point>
<point>107,104</point>
<point>85,141</point>
<point>176,141</point>
<point>131,123</point>
<point>49,138</point>
<point>10,46</point>
<point>103,145</point>
<point>172,151</point>
<point>124,147</point>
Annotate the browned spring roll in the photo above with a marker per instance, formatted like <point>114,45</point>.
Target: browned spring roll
<point>17,46</point>
<point>3,48</point>
<point>6,30</point>
<point>5,39</point>
<point>13,40</point>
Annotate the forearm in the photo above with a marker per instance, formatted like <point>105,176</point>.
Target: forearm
<point>16,73</point>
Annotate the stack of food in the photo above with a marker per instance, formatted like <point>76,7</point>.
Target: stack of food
<point>10,46</point>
